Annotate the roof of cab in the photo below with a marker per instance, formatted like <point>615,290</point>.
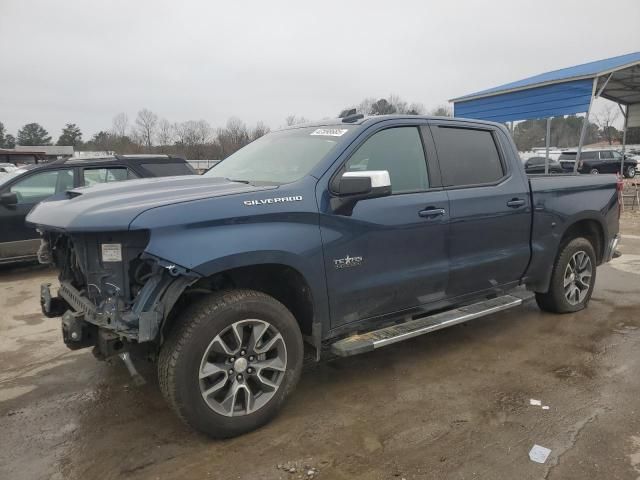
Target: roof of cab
<point>370,120</point>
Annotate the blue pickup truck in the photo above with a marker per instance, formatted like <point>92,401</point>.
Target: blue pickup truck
<point>343,236</point>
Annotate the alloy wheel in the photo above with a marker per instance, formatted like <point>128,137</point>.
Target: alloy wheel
<point>577,277</point>
<point>243,367</point>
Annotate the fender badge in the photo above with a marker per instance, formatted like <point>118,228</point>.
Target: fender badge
<point>347,262</point>
<point>266,201</point>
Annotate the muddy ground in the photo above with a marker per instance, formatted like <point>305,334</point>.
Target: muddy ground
<point>453,404</point>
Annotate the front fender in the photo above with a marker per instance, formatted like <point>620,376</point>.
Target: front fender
<point>207,249</point>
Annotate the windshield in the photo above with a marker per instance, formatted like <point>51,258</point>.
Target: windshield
<point>280,157</point>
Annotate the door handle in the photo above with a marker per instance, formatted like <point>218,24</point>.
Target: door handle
<point>515,203</point>
<point>431,212</point>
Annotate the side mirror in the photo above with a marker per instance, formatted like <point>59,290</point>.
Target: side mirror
<point>9,199</point>
<point>356,186</point>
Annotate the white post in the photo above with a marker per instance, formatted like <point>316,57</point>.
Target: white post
<point>624,139</point>
<point>585,124</point>
<point>548,142</point>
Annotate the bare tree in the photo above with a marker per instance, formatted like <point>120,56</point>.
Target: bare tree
<point>365,106</point>
<point>120,125</point>
<point>605,120</point>
<point>194,138</point>
<point>179,133</point>
<point>415,109</point>
<point>233,137</point>
<point>399,104</point>
<point>146,124</point>
<point>294,120</point>
<point>258,131</point>
<point>442,111</point>
<point>165,132</point>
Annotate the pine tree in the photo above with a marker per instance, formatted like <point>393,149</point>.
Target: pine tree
<point>71,135</point>
<point>33,134</point>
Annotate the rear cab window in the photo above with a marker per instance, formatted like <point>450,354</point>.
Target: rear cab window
<point>167,169</point>
<point>93,176</point>
<point>467,156</point>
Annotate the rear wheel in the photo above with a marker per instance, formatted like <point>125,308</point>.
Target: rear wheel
<point>230,365</point>
<point>594,171</point>
<point>631,172</point>
<point>572,278</point>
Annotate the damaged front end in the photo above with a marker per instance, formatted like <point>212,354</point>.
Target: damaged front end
<point>112,295</point>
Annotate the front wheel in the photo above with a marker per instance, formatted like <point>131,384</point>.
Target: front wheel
<point>594,171</point>
<point>228,367</point>
<point>631,172</point>
<point>572,278</point>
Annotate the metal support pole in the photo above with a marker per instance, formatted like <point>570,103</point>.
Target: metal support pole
<point>585,124</point>
<point>624,139</point>
<point>548,143</point>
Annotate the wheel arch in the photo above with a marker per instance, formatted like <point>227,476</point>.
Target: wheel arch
<point>278,274</point>
<point>588,224</point>
<point>590,228</point>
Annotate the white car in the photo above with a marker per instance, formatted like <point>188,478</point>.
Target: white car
<point>7,168</point>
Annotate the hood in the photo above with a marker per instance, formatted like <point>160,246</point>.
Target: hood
<point>113,206</point>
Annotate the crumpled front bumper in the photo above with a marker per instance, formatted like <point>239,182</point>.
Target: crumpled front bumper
<point>114,323</point>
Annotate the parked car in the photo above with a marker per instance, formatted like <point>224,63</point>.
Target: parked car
<point>7,168</point>
<point>348,234</point>
<point>536,165</point>
<point>21,189</point>
<point>599,161</point>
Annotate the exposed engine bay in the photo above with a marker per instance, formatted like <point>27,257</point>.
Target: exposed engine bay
<point>112,294</point>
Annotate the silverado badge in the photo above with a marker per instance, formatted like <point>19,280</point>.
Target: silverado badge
<point>264,201</point>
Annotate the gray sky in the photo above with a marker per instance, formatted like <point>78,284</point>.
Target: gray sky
<point>84,61</point>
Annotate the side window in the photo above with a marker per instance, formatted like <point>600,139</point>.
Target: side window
<point>92,176</point>
<point>616,155</point>
<point>39,186</point>
<point>467,156</point>
<point>606,155</point>
<point>588,156</point>
<point>397,150</point>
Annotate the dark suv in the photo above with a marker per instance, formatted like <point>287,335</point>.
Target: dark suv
<point>22,189</point>
<point>599,161</point>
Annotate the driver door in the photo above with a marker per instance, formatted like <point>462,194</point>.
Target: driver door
<point>389,254</point>
<point>16,238</point>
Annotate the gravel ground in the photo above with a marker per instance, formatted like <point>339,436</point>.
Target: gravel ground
<point>453,404</point>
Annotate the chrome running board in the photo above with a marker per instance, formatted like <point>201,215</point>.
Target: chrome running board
<point>396,333</point>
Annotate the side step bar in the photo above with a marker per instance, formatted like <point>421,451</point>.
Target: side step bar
<point>366,342</point>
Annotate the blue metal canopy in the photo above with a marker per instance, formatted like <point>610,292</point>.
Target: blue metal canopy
<point>560,92</point>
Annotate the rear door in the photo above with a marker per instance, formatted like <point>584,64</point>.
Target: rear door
<point>388,255</point>
<point>609,165</point>
<point>617,162</point>
<point>489,207</point>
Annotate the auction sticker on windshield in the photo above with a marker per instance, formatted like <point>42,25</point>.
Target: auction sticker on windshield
<point>330,132</point>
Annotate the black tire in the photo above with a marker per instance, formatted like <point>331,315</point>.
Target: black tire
<point>594,171</point>
<point>630,172</point>
<point>180,359</point>
<point>555,299</point>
